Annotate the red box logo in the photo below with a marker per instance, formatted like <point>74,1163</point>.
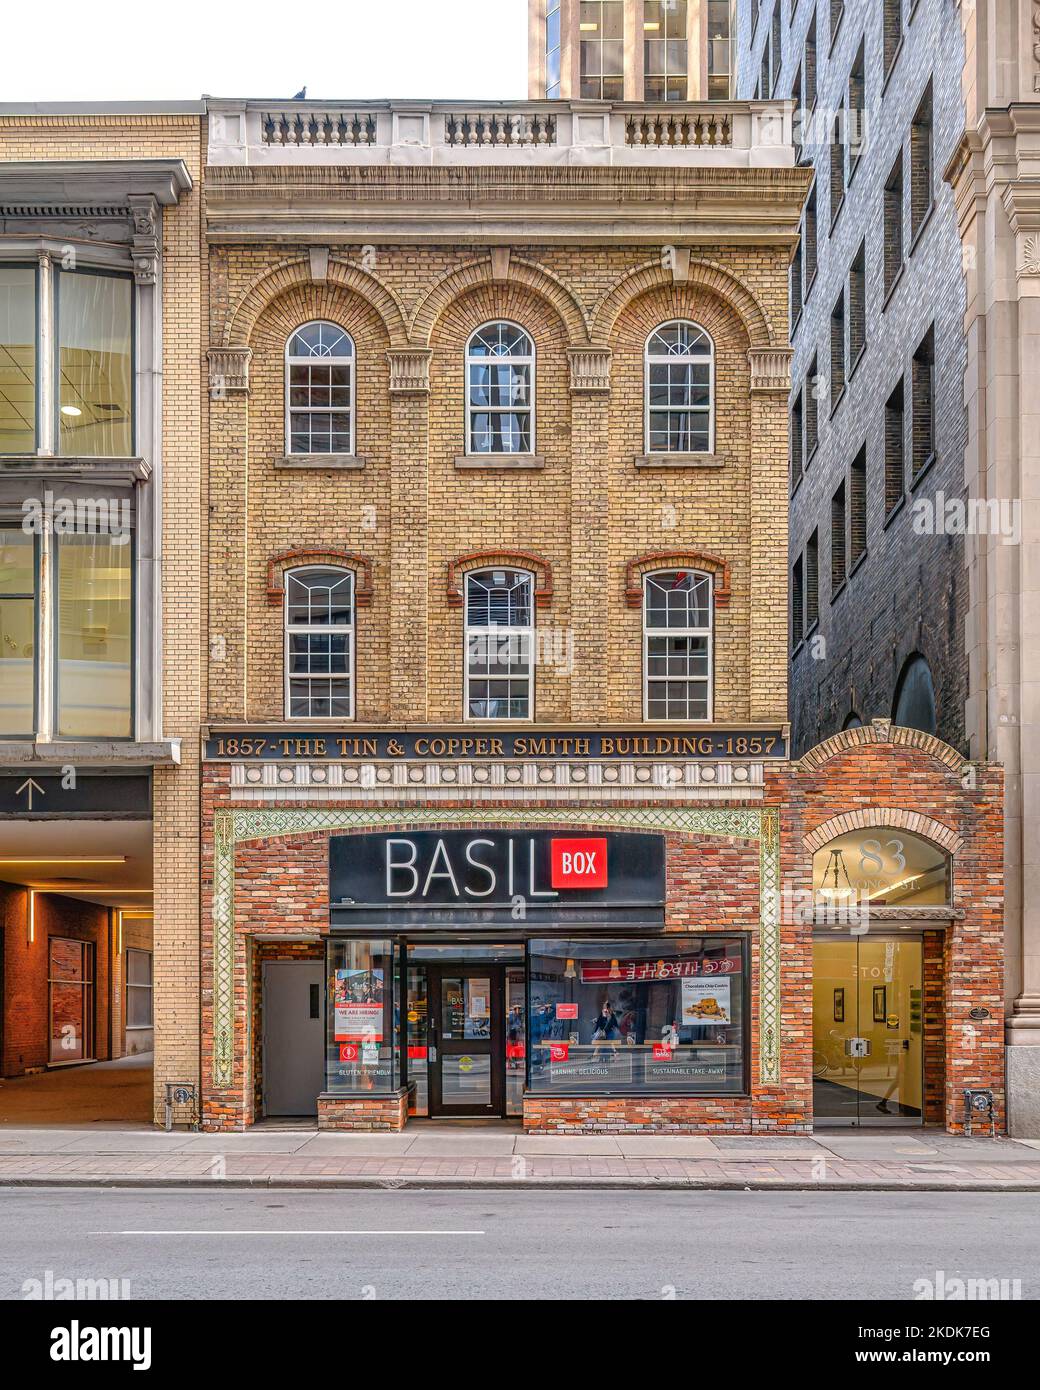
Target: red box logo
<point>349,1052</point>
<point>579,864</point>
<point>559,1052</point>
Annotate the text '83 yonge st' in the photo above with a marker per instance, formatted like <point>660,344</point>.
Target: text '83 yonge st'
<point>479,525</point>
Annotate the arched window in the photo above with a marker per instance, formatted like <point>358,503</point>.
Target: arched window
<point>885,865</point>
<point>677,656</point>
<point>319,643</point>
<point>852,721</point>
<point>319,390</point>
<point>499,644</point>
<point>914,705</point>
<point>680,390</point>
<point>500,391</point>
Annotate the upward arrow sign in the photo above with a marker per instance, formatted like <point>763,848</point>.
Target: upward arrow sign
<point>30,785</point>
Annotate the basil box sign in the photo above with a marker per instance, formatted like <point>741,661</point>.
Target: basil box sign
<point>495,877</point>
<point>356,745</point>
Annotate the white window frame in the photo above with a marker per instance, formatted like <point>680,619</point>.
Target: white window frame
<point>132,985</point>
<point>708,632</point>
<point>659,359</point>
<point>315,629</point>
<point>472,630</point>
<point>291,361</point>
<point>528,360</point>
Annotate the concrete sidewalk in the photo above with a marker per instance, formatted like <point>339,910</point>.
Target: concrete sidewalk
<point>431,1154</point>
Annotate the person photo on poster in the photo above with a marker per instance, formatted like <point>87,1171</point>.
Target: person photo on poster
<point>358,1006</point>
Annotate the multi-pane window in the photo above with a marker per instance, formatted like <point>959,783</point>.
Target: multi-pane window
<point>677,633</point>
<point>94,620</point>
<point>812,410</point>
<point>812,581</point>
<point>17,359</point>
<point>680,389</point>
<point>857,114</point>
<point>499,644</point>
<point>797,438</point>
<point>67,384</point>
<point>17,631</point>
<point>95,364</point>
<point>797,602</point>
<point>837,170</point>
<point>553,47</point>
<point>319,385</point>
<point>809,63</point>
<point>776,46</point>
<point>837,9</point>
<point>601,25</point>
<point>500,390</point>
<point>809,242</point>
<point>319,643</point>
<point>665,50</point>
<point>138,988</point>
<point>720,51</point>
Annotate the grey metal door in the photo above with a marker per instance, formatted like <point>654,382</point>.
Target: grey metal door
<point>294,1036</point>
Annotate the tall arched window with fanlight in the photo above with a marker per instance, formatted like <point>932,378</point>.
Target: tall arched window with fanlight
<point>319,390</point>
<point>499,644</point>
<point>677,645</point>
<point>500,390</point>
<point>319,643</point>
<point>680,389</point>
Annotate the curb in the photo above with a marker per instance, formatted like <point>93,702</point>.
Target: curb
<point>326,1183</point>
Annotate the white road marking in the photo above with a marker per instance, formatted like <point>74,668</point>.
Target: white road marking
<point>290,1233</point>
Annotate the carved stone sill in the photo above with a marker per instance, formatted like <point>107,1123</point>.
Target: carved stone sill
<point>506,461</point>
<point>107,752</point>
<point>680,461</point>
<point>325,461</point>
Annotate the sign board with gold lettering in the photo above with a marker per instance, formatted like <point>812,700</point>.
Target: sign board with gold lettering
<point>525,744</point>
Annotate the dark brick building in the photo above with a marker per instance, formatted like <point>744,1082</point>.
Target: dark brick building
<point>878,594</point>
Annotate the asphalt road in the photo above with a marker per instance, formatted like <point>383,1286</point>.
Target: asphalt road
<point>193,1244</point>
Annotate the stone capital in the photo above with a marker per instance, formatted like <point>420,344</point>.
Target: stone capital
<point>409,370</point>
<point>770,370</point>
<point>590,368</point>
<point>228,371</point>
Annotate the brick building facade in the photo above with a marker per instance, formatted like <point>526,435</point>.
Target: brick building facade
<point>678,992</point>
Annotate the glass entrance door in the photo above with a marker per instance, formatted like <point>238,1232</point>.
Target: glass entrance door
<point>867,1030</point>
<point>465,1037</point>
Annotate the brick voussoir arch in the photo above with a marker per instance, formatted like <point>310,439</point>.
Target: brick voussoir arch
<point>676,559</point>
<point>479,271</point>
<point>278,565</point>
<point>291,274</point>
<point>705,275</point>
<point>881,817</point>
<point>516,559</point>
<point>882,731</point>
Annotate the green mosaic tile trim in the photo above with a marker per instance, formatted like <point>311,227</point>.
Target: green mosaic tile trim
<point>233,827</point>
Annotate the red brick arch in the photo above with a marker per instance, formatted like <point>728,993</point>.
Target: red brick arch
<point>342,559</point>
<point>880,817</point>
<point>676,559</point>
<point>515,559</point>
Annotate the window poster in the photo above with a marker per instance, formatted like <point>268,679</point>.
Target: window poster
<point>358,1004</point>
<point>706,1001</point>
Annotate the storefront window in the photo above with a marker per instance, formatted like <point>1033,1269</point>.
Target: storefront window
<point>362,1053</point>
<point>95,636</point>
<point>638,1016</point>
<point>17,359</point>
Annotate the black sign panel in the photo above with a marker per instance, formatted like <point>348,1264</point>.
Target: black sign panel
<point>497,877</point>
<point>355,745</point>
<point>50,795</point>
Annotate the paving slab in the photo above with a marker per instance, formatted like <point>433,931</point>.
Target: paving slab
<point>132,1143</point>
<point>467,1144</point>
<point>357,1145</point>
<point>246,1143</point>
<point>636,1147</point>
<point>568,1145</point>
<point>874,1145</point>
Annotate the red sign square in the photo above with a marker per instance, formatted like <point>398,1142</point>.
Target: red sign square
<point>559,1052</point>
<point>579,863</point>
<point>349,1052</point>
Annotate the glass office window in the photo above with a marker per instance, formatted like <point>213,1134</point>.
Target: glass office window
<point>95,372</point>
<point>665,50</point>
<point>17,631</point>
<point>138,989</point>
<point>17,359</point>
<point>362,1052</point>
<point>95,636</point>
<point>651,1017</point>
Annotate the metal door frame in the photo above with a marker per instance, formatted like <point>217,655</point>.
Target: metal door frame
<point>872,1121</point>
<point>494,971</point>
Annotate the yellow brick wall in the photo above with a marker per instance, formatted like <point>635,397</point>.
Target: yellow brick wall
<point>588,512</point>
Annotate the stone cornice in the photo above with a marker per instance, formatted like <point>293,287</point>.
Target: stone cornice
<point>91,182</point>
<point>337,204</point>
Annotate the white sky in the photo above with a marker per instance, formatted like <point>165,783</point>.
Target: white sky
<point>112,50</point>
